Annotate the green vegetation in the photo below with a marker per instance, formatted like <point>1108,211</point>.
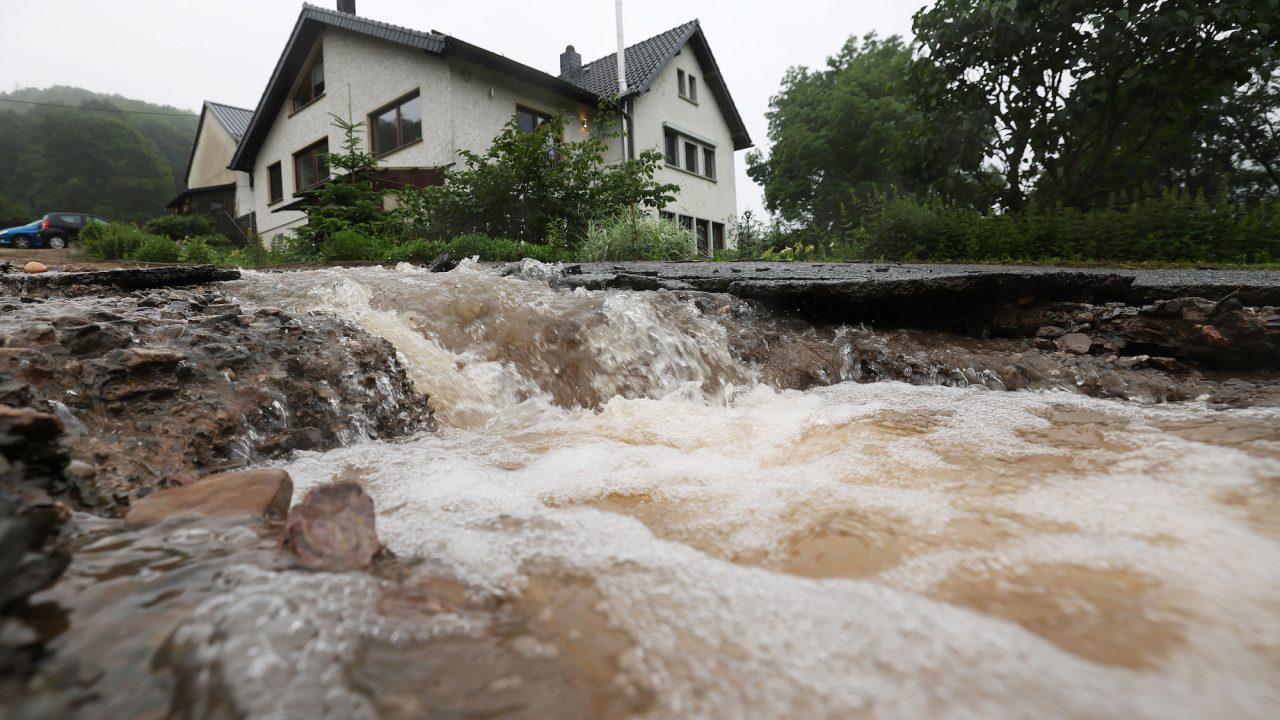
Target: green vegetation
<point>90,156</point>
<point>1135,131</point>
<point>637,237</point>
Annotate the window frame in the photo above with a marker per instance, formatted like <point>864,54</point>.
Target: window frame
<point>719,241</point>
<point>708,162</point>
<point>298,187</point>
<point>397,105</point>
<point>691,156</point>
<point>693,88</point>
<point>306,79</point>
<point>680,83</point>
<point>272,183</point>
<point>671,146</point>
<point>553,152</point>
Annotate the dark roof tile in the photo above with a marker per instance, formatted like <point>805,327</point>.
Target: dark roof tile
<point>645,60</point>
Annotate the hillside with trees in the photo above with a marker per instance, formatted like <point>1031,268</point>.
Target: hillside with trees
<point>65,148</point>
<point>1020,129</point>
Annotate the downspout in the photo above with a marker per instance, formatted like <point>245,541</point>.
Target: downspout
<point>628,141</point>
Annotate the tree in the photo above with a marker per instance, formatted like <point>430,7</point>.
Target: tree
<point>844,133</point>
<point>95,164</point>
<point>348,201</point>
<point>529,184</point>
<point>1081,99</point>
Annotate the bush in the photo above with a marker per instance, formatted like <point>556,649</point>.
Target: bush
<point>110,242</point>
<point>199,251</point>
<point>177,227</point>
<point>635,236</point>
<point>354,245</point>
<point>157,249</point>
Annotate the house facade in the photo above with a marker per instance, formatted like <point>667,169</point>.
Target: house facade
<point>214,189</point>
<point>426,96</point>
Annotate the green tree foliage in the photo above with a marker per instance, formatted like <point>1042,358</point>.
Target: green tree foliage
<point>91,156</point>
<point>1079,99</point>
<point>528,183</point>
<point>842,133</point>
<point>95,163</point>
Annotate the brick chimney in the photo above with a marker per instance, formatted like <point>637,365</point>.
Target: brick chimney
<point>347,6</point>
<point>570,62</point>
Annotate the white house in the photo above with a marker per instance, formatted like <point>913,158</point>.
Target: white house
<point>426,96</point>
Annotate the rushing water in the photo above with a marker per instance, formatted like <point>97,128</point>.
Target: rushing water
<point>620,516</point>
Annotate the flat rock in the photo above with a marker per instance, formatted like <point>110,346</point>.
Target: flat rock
<point>1077,343</point>
<point>264,494</point>
<point>333,528</point>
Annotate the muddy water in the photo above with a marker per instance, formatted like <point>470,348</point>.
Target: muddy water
<point>621,516</point>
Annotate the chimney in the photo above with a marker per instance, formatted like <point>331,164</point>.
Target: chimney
<point>347,6</point>
<point>570,62</point>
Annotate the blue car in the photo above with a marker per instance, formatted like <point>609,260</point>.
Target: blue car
<point>54,230</point>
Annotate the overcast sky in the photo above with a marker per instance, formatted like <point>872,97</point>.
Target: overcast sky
<point>182,52</point>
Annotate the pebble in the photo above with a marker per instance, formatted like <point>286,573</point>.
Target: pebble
<point>1077,343</point>
<point>34,267</point>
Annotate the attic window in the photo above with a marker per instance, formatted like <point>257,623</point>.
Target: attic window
<point>312,85</point>
<point>687,85</point>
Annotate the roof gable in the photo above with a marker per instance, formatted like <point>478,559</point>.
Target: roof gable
<point>590,86</point>
<point>232,119</point>
<point>647,59</point>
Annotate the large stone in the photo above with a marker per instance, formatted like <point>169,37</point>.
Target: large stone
<point>333,528</point>
<point>263,494</point>
<point>1075,342</point>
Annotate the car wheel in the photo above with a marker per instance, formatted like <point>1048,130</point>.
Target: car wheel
<point>22,241</point>
<point>57,242</point>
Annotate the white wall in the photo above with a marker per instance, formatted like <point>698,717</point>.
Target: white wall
<point>699,196</point>
<point>463,107</point>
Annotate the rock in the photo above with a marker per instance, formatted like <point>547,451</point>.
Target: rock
<point>254,493</point>
<point>1077,343</point>
<point>1130,363</point>
<point>1168,365</point>
<point>1084,317</point>
<point>333,528</point>
<point>82,470</point>
<point>1051,331</point>
<point>142,357</point>
<point>442,263</point>
<point>1214,337</point>
<point>35,268</point>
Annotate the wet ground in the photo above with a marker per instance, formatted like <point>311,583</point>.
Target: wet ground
<point>677,504</point>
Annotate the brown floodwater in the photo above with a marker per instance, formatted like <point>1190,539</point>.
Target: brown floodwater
<point>622,517</point>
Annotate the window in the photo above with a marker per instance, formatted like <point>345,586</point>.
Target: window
<point>702,231</point>
<point>215,205</point>
<point>668,216</point>
<point>396,125</point>
<point>310,167</point>
<point>691,157</point>
<point>686,222</point>
<point>275,184</point>
<point>312,85</point>
<point>717,236</point>
<point>673,146</point>
<point>693,88</point>
<point>709,162</point>
<point>680,82</point>
<point>530,120</point>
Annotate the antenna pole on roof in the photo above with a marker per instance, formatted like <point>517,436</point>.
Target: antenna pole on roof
<point>622,55</point>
